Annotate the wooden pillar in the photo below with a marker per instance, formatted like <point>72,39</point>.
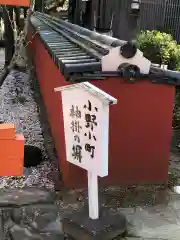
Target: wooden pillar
<point>124,24</point>
<point>86,13</point>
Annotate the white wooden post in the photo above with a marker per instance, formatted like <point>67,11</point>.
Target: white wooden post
<point>86,128</point>
<point>93,195</point>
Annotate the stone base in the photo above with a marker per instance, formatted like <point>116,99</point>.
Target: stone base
<point>80,227</point>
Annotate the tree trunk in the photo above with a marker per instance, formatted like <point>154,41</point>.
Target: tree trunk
<point>17,19</point>
<point>8,35</point>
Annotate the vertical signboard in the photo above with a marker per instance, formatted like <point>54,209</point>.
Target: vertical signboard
<point>86,128</point>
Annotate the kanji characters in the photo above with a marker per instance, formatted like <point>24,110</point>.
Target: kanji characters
<point>89,148</point>
<point>77,152</point>
<point>90,123</point>
<point>75,126</point>
<point>75,112</point>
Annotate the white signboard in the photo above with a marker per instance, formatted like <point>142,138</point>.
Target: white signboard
<point>86,128</point>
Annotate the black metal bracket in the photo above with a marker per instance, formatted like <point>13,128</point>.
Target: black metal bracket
<point>154,78</point>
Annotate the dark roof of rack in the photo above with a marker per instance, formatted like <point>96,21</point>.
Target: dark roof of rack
<point>78,50</point>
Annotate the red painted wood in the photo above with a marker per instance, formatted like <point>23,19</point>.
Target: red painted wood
<point>140,126</point>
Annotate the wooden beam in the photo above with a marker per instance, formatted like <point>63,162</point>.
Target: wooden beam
<point>15,2</point>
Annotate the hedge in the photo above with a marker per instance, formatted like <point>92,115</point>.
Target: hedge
<point>161,48</point>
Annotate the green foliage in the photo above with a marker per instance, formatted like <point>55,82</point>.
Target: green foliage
<point>176,112</point>
<point>160,48</point>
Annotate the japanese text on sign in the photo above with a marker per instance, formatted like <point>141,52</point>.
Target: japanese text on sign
<point>86,126</point>
<point>84,122</point>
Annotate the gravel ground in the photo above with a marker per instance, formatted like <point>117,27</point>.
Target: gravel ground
<point>18,106</point>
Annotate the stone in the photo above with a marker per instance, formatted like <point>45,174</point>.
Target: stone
<point>80,227</point>
<point>159,221</point>
<point>70,197</point>
<point>25,196</point>
<point>46,222</point>
<point>137,238</point>
<point>55,226</point>
<point>17,232</point>
<point>1,227</point>
<point>177,189</point>
<point>33,222</point>
<point>29,213</point>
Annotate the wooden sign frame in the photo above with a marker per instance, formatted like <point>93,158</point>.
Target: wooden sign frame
<point>86,129</point>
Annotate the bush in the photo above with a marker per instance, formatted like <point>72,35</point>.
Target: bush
<point>176,112</point>
<point>159,48</point>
